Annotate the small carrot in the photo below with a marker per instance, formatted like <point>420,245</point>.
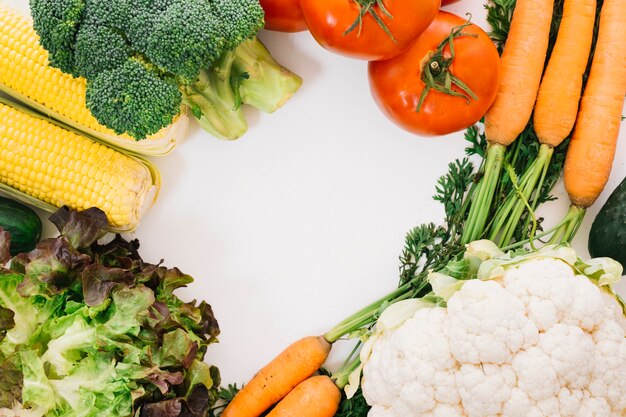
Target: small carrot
<point>317,396</point>
<point>292,366</point>
<point>592,149</point>
<point>559,94</point>
<point>523,60</point>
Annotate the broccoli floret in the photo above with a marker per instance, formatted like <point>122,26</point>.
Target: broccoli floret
<point>155,6</point>
<point>130,99</point>
<point>113,13</point>
<point>214,102</point>
<point>56,22</point>
<point>267,85</point>
<point>99,48</point>
<point>143,17</point>
<point>240,19</point>
<point>188,46</point>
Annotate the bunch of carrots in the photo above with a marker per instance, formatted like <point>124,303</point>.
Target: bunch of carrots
<point>554,94</point>
<point>289,381</point>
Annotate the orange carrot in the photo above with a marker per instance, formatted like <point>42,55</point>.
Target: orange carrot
<point>559,94</point>
<point>295,364</point>
<point>592,149</point>
<point>522,65</point>
<point>317,396</point>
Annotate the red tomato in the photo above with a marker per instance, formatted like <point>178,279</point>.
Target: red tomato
<point>328,21</point>
<point>283,15</point>
<point>397,85</point>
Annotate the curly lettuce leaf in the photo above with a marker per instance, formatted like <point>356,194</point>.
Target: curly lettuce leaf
<point>81,228</point>
<point>31,313</point>
<point>98,281</point>
<point>7,321</point>
<point>37,391</point>
<point>199,373</point>
<point>11,381</point>
<point>50,268</point>
<point>93,388</point>
<point>195,405</point>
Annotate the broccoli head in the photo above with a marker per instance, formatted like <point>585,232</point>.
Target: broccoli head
<point>143,58</point>
<point>57,22</point>
<point>131,99</point>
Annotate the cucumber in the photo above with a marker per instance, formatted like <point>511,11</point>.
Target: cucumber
<point>22,223</point>
<point>608,231</point>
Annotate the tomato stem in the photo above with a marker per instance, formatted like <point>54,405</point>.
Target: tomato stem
<point>365,7</point>
<point>436,74</point>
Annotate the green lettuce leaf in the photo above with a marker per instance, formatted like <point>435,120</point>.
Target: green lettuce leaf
<point>30,312</point>
<point>37,391</point>
<point>50,268</point>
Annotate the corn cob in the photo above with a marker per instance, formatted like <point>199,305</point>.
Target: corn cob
<point>47,165</point>
<point>27,77</point>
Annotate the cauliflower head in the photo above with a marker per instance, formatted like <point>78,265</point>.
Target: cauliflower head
<point>532,336</point>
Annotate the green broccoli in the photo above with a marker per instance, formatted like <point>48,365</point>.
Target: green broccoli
<point>130,98</point>
<point>184,49</point>
<point>143,58</point>
<point>240,19</point>
<point>91,58</point>
<point>113,13</point>
<point>56,22</point>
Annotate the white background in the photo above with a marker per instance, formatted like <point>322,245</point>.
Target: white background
<point>300,223</point>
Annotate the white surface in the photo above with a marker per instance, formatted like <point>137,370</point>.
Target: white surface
<point>300,223</point>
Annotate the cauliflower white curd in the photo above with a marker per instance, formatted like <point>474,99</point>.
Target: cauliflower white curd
<point>530,337</point>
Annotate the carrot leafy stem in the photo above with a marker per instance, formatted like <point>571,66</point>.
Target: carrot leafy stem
<point>369,6</point>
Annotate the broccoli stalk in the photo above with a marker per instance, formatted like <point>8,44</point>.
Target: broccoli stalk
<point>268,85</point>
<point>213,101</point>
<point>245,75</point>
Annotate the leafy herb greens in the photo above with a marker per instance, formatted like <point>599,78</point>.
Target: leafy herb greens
<point>92,330</point>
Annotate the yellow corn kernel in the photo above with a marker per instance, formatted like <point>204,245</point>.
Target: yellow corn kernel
<point>60,167</point>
